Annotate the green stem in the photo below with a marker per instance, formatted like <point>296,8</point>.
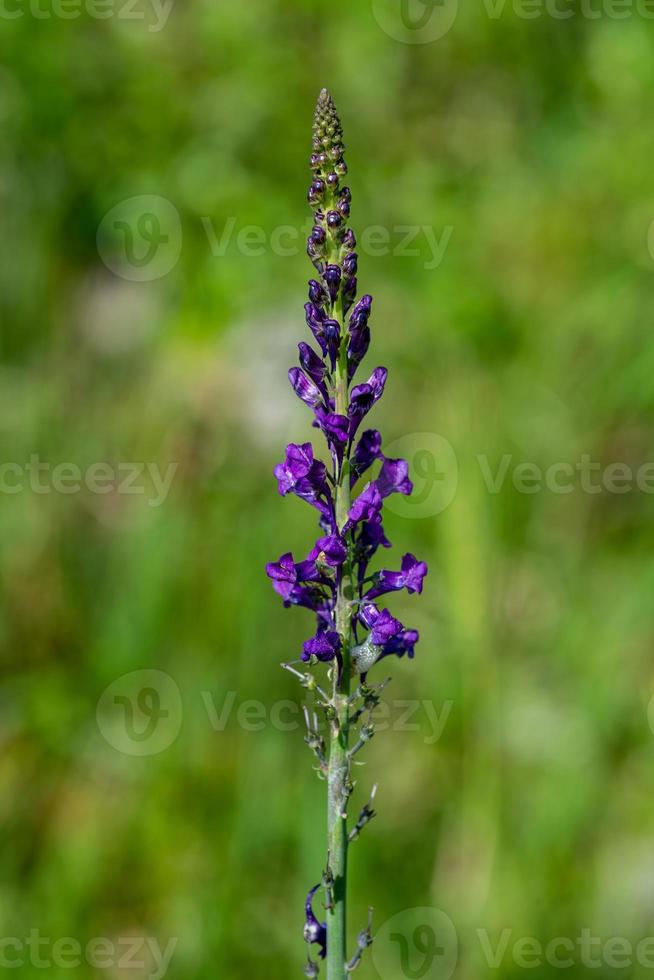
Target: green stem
<point>338,771</point>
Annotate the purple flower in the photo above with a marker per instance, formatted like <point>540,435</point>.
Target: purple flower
<point>304,388</point>
<point>359,334</point>
<point>315,317</point>
<point>383,627</point>
<point>313,367</point>
<point>403,642</point>
<point>366,451</point>
<point>332,336</point>
<point>335,427</point>
<point>394,478</point>
<point>325,646</point>
<point>410,578</point>
<point>286,574</point>
<point>314,931</point>
<point>317,294</point>
<point>305,477</point>
<point>330,550</point>
<point>366,507</point>
<point>364,396</point>
<point>350,263</point>
<point>333,280</point>
<point>349,292</point>
<point>360,314</point>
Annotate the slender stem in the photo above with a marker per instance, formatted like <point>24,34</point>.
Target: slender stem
<point>338,769</point>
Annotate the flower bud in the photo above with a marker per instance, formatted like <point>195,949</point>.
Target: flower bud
<point>350,263</point>
<point>317,294</point>
<point>333,280</point>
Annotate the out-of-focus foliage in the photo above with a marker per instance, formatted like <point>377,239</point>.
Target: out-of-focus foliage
<point>530,143</point>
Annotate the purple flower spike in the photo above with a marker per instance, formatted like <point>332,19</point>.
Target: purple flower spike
<point>352,634</point>
<point>314,931</point>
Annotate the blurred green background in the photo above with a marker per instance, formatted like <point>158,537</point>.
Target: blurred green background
<point>524,146</point>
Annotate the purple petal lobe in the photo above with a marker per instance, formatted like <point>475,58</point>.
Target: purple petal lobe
<point>394,478</point>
